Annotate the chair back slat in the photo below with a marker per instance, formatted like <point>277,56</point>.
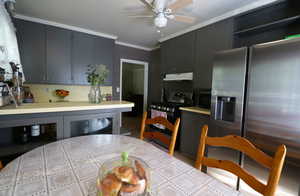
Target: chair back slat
<point>241,144</point>
<point>237,170</point>
<point>274,164</point>
<point>162,121</point>
<point>158,135</point>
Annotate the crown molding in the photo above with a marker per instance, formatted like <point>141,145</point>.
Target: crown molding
<point>232,13</point>
<point>73,28</point>
<point>133,46</point>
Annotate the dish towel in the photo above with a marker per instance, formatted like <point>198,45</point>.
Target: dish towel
<point>157,113</point>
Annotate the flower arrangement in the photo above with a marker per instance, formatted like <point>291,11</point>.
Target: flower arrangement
<point>96,74</point>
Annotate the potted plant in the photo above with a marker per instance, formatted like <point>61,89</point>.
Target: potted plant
<point>96,75</point>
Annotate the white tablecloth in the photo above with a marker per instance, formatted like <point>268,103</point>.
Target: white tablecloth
<point>70,167</point>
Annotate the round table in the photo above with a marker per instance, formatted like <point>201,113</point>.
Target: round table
<point>70,167</point>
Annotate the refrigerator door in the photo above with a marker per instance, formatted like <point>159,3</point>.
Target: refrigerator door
<point>273,103</point>
<point>228,86</point>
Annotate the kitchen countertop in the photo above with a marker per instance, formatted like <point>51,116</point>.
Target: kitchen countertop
<point>30,108</point>
<point>196,110</point>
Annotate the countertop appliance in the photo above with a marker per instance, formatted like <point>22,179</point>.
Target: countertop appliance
<point>256,94</point>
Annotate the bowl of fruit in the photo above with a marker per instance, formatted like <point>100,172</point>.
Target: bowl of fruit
<point>61,94</point>
<point>124,176</point>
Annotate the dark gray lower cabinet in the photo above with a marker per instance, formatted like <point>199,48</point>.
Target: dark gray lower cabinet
<point>58,47</point>
<point>54,126</point>
<point>191,125</point>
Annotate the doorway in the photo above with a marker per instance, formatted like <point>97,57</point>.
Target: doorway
<point>133,88</point>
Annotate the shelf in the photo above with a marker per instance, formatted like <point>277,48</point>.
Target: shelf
<point>263,27</point>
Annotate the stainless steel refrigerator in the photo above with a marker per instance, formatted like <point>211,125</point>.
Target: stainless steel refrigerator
<point>256,94</point>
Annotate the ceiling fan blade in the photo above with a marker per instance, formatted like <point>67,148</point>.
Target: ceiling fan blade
<point>140,16</point>
<point>181,18</point>
<point>148,4</point>
<point>179,4</point>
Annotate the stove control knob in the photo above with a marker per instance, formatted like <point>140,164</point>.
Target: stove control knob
<point>168,109</point>
<point>158,107</point>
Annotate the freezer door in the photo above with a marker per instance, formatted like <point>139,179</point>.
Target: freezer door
<point>228,88</point>
<point>273,100</point>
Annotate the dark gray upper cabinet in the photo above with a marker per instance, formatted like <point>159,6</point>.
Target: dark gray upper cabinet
<point>58,44</point>
<point>31,41</point>
<point>179,53</point>
<point>53,55</point>
<point>104,54</point>
<point>210,39</point>
<point>82,56</point>
<point>87,50</point>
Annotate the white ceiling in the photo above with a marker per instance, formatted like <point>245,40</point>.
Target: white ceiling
<point>110,17</point>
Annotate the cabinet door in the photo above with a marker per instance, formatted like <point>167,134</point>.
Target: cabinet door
<point>179,53</point>
<point>190,132</point>
<point>209,41</point>
<point>103,54</point>
<point>82,56</point>
<point>58,55</point>
<point>31,41</point>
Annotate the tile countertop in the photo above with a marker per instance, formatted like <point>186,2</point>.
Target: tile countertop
<point>30,108</point>
<point>196,110</point>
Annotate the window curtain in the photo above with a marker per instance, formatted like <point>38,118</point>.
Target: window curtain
<point>9,51</point>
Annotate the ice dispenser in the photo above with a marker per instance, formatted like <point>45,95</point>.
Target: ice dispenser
<point>225,109</point>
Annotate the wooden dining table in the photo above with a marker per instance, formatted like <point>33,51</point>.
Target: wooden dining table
<point>70,167</point>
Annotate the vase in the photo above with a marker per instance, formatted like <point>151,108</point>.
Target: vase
<point>95,94</point>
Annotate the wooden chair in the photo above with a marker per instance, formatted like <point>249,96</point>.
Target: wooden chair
<point>274,164</point>
<point>158,135</point>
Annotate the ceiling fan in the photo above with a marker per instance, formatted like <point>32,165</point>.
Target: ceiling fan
<point>161,12</point>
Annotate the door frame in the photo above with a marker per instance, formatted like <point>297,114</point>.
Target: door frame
<point>146,69</point>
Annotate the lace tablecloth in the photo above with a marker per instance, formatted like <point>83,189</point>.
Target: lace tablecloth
<point>70,167</point>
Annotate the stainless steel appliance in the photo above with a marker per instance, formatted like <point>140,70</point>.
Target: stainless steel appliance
<point>256,94</point>
<point>175,100</point>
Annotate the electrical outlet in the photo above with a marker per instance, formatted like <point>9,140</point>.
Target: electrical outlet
<point>118,89</point>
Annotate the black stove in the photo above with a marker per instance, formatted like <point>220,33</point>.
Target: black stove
<point>172,111</point>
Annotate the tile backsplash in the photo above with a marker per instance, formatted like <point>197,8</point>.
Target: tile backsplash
<point>46,92</point>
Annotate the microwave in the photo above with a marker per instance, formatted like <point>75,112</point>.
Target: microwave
<point>203,98</point>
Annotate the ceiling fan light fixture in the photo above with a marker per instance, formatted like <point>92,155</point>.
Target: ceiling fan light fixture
<point>160,21</point>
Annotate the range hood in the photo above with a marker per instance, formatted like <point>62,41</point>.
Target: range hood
<point>179,76</point>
